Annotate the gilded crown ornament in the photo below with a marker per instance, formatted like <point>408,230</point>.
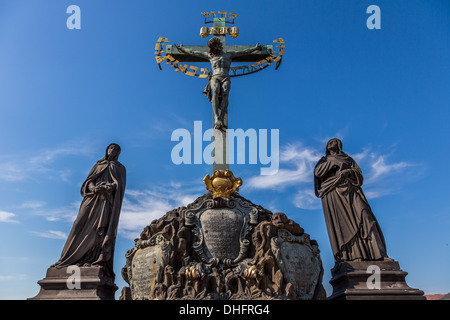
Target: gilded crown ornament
<point>222,183</point>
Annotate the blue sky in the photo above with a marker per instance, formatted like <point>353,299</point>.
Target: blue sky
<point>66,94</point>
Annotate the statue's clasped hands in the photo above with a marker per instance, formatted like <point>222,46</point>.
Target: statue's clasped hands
<point>103,188</point>
<point>345,174</point>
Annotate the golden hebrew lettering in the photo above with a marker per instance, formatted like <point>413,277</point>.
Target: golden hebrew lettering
<point>276,59</point>
<point>204,73</point>
<point>162,39</point>
<point>159,44</point>
<point>204,32</point>
<point>169,59</point>
<point>261,62</point>
<point>192,74</point>
<point>182,68</point>
<point>270,59</point>
<point>174,64</point>
<point>234,32</point>
<point>233,16</point>
<point>224,13</point>
<point>253,67</point>
<point>160,59</point>
<point>234,69</point>
<point>275,56</point>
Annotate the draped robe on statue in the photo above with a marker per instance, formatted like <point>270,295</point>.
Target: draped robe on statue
<point>352,227</point>
<point>92,238</point>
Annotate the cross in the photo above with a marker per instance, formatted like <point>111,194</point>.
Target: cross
<point>220,56</point>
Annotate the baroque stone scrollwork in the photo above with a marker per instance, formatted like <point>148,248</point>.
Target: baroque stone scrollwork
<point>145,265</point>
<point>299,260</point>
<point>218,248</point>
<point>216,224</point>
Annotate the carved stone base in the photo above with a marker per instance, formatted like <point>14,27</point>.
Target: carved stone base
<point>371,280</point>
<point>223,249</point>
<point>93,285</point>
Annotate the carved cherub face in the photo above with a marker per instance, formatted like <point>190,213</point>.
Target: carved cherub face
<point>279,219</point>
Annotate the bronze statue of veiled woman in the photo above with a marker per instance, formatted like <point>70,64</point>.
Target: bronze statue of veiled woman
<point>352,227</point>
<point>92,237</point>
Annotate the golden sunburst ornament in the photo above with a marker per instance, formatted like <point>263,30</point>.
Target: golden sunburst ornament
<point>222,183</point>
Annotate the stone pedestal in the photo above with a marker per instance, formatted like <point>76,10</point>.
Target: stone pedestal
<point>371,280</point>
<point>223,249</point>
<point>60,284</point>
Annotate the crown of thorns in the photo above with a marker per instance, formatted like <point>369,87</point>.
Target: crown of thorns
<point>214,41</point>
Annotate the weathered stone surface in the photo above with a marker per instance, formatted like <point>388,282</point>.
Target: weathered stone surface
<point>94,285</point>
<point>350,281</point>
<point>353,230</point>
<point>220,231</point>
<point>145,265</point>
<point>299,261</point>
<point>221,249</point>
<point>89,247</point>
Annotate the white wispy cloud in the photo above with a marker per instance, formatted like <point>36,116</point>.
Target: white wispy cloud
<point>7,217</point>
<point>296,173</point>
<point>66,213</point>
<point>301,161</point>
<point>13,277</point>
<point>306,199</point>
<point>50,234</point>
<point>358,157</point>
<point>380,168</point>
<point>20,167</point>
<point>12,172</point>
<point>141,207</point>
<point>32,204</point>
<point>49,155</point>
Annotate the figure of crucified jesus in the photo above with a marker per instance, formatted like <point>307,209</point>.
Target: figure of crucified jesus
<point>219,84</point>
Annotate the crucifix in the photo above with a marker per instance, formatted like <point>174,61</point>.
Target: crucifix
<point>220,56</point>
<point>219,84</point>
<point>218,89</point>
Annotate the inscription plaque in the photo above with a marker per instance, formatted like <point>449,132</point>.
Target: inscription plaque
<point>221,232</point>
<point>299,261</point>
<point>145,265</point>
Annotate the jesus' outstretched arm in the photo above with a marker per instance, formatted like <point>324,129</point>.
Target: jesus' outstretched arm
<point>246,51</point>
<point>183,49</point>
